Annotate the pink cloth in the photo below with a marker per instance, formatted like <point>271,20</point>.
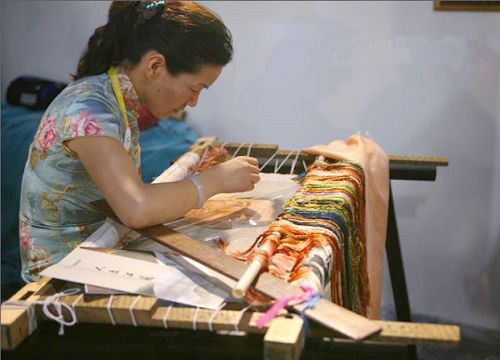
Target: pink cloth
<point>375,164</point>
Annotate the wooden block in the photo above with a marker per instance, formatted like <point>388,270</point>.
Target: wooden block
<point>284,338</point>
<point>15,325</point>
<point>15,328</point>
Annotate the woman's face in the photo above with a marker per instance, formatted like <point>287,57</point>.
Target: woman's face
<point>165,95</point>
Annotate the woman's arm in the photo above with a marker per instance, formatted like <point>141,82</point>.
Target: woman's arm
<point>139,205</point>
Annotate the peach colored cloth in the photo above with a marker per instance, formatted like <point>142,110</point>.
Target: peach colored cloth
<point>375,164</point>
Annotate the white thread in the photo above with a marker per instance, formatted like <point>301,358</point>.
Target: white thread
<point>110,313</point>
<point>30,309</point>
<point>195,317</point>
<point>238,149</point>
<point>58,316</point>
<point>249,149</point>
<point>240,315</point>
<point>51,300</point>
<point>214,315</point>
<point>131,310</point>
<point>276,166</point>
<point>224,144</point>
<point>74,303</point>
<point>305,166</point>
<point>268,160</point>
<point>165,317</point>
<point>284,161</point>
<point>294,162</point>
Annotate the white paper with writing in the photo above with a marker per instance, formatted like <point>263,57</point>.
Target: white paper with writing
<point>137,273</point>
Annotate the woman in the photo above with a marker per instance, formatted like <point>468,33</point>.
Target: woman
<point>155,55</point>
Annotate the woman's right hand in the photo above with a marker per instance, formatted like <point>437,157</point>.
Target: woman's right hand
<point>236,175</point>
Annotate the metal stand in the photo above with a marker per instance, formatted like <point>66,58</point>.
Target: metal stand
<point>393,246</point>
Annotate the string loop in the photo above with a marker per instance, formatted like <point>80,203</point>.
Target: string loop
<point>308,293</point>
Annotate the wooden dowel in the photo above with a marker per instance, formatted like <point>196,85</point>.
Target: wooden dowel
<point>247,279</point>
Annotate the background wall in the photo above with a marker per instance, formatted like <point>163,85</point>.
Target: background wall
<point>419,82</point>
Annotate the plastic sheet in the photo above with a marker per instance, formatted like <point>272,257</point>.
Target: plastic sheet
<point>230,222</point>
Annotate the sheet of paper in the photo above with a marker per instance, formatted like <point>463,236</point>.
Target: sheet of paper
<point>163,279</point>
<point>269,186</point>
<point>189,266</point>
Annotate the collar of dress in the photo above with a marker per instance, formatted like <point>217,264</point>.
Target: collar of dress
<point>130,97</point>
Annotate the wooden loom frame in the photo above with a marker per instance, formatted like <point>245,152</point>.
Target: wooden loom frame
<point>278,341</point>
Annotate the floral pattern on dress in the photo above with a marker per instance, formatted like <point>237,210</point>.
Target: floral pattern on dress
<point>25,238</point>
<point>85,124</point>
<point>40,258</point>
<point>45,138</point>
<point>46,135</point>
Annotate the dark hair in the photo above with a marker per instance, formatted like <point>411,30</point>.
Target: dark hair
<point>187,34</point>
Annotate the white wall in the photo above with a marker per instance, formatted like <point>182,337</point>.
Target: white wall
<point>419,82</point>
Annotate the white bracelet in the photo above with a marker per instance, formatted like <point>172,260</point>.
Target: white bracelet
<point>199,187</point>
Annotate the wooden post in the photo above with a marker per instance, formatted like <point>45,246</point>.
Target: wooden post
<point>284,338</point>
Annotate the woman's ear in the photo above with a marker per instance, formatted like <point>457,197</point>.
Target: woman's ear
<point>153,63</point>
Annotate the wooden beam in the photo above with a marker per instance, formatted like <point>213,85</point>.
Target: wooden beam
<point>330,315</point>
<point>267,150</point>
<point>468,5</point>
<point>148,313</point>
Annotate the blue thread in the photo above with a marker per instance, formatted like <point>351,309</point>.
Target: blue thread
<point>309,305</point>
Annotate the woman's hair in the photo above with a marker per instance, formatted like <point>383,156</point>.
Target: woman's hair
<point>187,34</point>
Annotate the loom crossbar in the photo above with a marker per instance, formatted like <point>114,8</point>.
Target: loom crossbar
<point>149,313</point>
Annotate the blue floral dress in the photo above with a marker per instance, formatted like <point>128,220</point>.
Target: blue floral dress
<point>55,215</point>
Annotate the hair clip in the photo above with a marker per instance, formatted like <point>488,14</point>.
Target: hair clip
<point>148,9</point>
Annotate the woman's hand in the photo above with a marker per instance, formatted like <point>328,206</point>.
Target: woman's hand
<point>236,175</point>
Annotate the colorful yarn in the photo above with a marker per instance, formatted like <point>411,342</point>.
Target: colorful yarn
<point>214,155</point>
<point>319,237</point>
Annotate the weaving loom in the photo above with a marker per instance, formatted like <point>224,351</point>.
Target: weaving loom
<point>147,312</point>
